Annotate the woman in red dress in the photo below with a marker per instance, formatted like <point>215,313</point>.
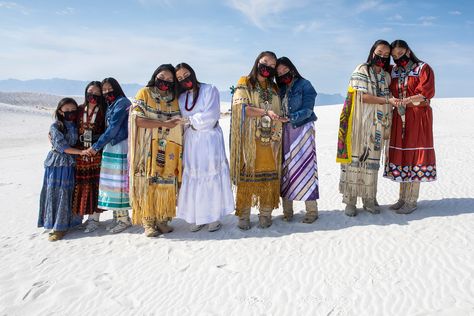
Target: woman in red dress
<point>91,124</point>
<point>411,157</point>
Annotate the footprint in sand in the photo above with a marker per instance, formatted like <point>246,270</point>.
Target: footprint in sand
<point>36,290</point>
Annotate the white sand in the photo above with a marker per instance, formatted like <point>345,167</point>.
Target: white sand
<point>387,264</point>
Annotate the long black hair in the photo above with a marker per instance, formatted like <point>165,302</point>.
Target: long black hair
<point>402,44</point>
<point>254,72</point>
<point>60,117</point>
<point>101,103</point>
<point>370,58</point>
<point>192,77</point>
<point>170,68</point>
<point>115,85</point>
<point>285,61</point>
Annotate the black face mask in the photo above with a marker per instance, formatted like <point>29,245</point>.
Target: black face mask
<point>402,61</point>
<point>286,78</point>
<point>110,97</point>
<point>70,115</point>
<point>381,61</point>
<point>92,98</point>
<point>186,83</point>
<point>163,85</point>
<point>265,71</point>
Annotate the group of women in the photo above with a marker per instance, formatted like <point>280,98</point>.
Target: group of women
<point>387,111</point>
<point>163,154</point>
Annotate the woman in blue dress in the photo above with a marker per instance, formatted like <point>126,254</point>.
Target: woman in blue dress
<point>55,210</point>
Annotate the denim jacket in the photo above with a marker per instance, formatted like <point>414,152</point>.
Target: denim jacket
<point>301,99</point>
<point>117,124</point>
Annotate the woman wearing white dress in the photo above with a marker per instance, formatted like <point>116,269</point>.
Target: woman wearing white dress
<point>205,195</point>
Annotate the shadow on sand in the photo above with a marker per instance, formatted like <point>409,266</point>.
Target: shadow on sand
<point>328,220</point>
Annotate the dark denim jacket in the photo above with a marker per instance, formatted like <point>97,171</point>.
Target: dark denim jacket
<point>117,124</point>
<point>301,99</point>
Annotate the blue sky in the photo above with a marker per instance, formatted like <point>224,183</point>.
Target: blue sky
<point>88,40</point>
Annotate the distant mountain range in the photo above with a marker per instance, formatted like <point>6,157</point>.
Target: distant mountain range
<point>57,86</point>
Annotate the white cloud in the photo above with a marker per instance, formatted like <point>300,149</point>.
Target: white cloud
<point>373,5</point>
<point>427,20</point>
<point>13,6</point>
<point>67,11</point>
<point>8,5</point>
<point>263,13</point>
<point>310,26</point>
<point>367,5</point>
<point>455,12</point>
<point>130,57</point>
<point>396,17</point>
<point>167,3</point>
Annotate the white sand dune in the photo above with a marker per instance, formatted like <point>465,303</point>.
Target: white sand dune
<point>387,264</point>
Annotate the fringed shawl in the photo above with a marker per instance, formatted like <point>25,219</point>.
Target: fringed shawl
<point>243,139</point>
<point>143,152</point>
<point>344,150</point>
<point>361,123</point>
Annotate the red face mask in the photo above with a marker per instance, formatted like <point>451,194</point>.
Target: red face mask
<point>186,83</point>
<point>92,98</point>
<point>381,61</point>
<point>286,78</point>
<point>265,71</point>
<point>163,85</point>
<point>402,61</point>
<point>110,97</point>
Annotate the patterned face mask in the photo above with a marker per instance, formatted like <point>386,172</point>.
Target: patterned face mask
<point>402,61</point>
<point>186,83</point>
<point>286,78</point>
<point>265,71</point>
<point>110,97</point>
<point>92,98</point>
<point>163,85</point>
<point>381,61</point>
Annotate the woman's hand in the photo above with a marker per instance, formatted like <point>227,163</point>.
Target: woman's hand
<point>184,121</point>
<point>393,101</point>
<point>284,119</point>
<point>273,115</point>
<point>85,152</point>
<point>172,123</point>
<point>91,152</point>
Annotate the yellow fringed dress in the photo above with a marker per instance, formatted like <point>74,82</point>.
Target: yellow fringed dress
<point>155,158</point>
<point>255,159</point>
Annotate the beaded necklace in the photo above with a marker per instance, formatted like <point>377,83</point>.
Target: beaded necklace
<point>164,105</point>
